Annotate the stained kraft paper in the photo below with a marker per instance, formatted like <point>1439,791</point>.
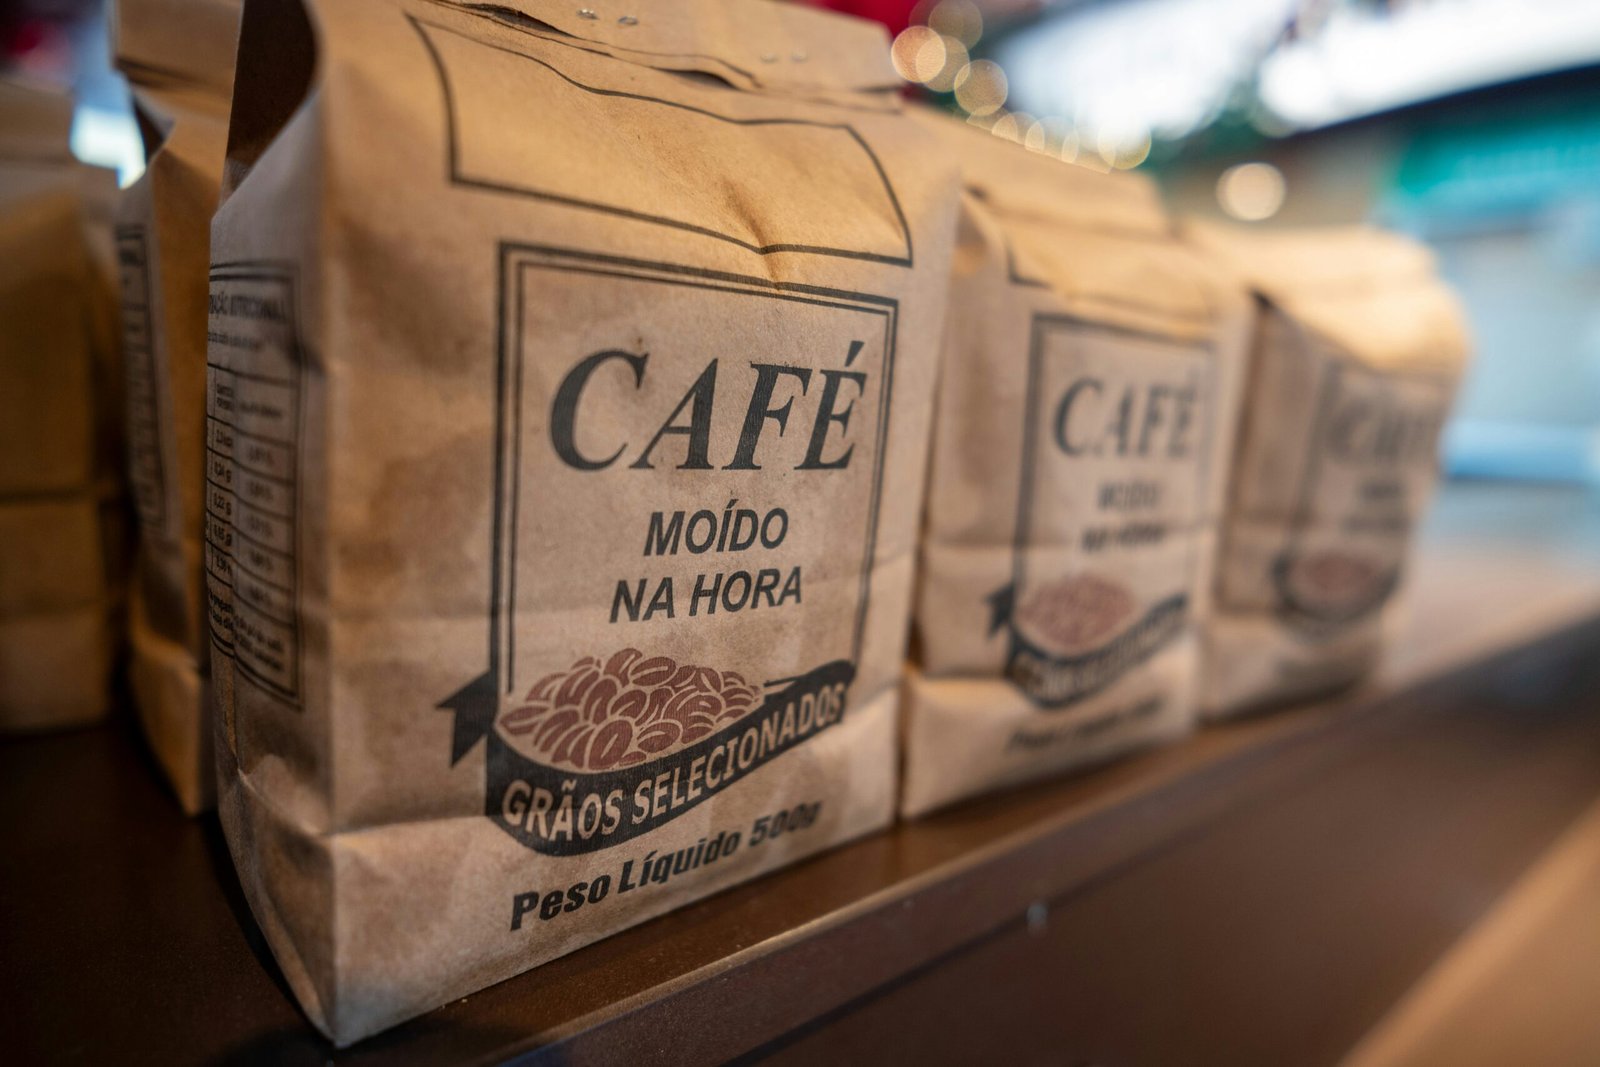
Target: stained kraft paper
<point>568,419</point>
<point>1091,377</point>
<point>1354,367</point>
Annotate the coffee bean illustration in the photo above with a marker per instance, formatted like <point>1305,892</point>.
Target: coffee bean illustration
<point>630,703</point>
<point>659,736</point>
<point>1077,612</point>
<point>1336,577</point>
<point>617,666</point>
<point>607,713</point>
<point>598,699</point>
<point>521,720</point>
<point>611,743</point>
<point>653,671</point>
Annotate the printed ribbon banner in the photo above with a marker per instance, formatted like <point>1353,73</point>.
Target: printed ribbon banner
<point>562,812</point>
<point>1055,681</point>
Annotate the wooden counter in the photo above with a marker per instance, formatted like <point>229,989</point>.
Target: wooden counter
<point>1260,894</point>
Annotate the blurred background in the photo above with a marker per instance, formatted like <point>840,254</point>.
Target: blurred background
<point>1472,124</point>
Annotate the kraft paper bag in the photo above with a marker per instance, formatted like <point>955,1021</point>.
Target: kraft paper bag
<point>1092,368</point>
<point>178,58</point>
<point>1356,361</point>
<point>60,528</point>
<point>570,387</point>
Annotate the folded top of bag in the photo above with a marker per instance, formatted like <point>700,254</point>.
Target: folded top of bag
<point>1372,293</point>
<point>1022,184</point>
<point>176,40</point>
<point>753,44</point>
<point>1101,242</point>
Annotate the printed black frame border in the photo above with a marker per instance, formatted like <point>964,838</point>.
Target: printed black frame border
<point>1336,363</point>
<point>512,257</point>
<point>1043,322</point>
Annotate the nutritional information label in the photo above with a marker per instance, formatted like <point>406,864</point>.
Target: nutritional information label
<point>144,426</point>
<point>252,465</point>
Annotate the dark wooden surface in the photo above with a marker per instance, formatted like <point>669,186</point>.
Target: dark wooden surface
<point>1281,931</point>
<point>1258,895</point>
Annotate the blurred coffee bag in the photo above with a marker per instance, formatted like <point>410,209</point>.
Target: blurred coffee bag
<point>61,530</point>
<point>571,370</point>
<point>1356,360</point>
<point>178,58</point>
<point>1091,375</point>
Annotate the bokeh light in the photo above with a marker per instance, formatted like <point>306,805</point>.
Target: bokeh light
<point>958,19</point>
<point>1251,191</point>
<point>918,54</point>
<point>955,58</point>
<point>981,87</point>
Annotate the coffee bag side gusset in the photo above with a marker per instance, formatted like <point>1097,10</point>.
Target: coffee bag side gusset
<point>178,58</point>
<point>60,529</point>
<point>601,397</point>
<point>1089,389</point>
<point>1356,361</point>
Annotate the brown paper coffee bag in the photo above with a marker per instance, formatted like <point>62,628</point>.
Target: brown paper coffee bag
<point>571,376</point>
<point>1091,372</point>
<point>178,57</point>
<point>1356,359</point>
<point>60,527</point>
